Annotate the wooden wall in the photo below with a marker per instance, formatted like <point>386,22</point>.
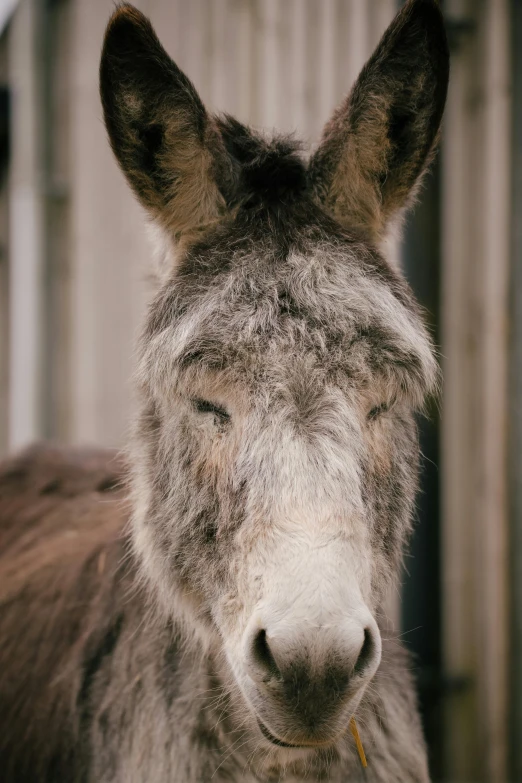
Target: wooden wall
<point>476,256</point>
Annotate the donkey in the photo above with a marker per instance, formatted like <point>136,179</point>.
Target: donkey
<point>210,608</point>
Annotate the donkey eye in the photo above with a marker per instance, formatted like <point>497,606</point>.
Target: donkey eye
<point>377,411</point>
<point>203,406</point>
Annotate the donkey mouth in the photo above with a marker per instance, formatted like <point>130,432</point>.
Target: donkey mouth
<point>270,737</point>
<point>280,744</point>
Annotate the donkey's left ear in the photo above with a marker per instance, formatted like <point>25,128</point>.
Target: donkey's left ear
<point>166,143</point>
<point>380,141</point>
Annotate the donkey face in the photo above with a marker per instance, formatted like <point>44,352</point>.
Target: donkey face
<point>280,367</point>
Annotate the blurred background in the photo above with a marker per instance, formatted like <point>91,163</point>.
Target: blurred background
<point>73,285</point>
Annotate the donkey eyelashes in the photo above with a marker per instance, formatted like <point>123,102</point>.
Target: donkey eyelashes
<point>204,406</point>
<point>377,411</point>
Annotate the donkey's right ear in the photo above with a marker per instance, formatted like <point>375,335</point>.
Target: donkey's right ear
<point>165,141</point>
<point>379,142</point>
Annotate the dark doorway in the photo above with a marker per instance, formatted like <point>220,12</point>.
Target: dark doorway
<point>421,605</point>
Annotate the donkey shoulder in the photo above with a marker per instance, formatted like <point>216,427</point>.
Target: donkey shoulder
<point>65,594</point>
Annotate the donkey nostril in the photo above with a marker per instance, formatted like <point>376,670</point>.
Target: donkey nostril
<point>262,654</point>
<point>366,654</point>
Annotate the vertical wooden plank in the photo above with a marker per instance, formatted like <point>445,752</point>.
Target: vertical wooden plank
<point>492,567</point>
<point>185,32</point>
<point>298,67</point>
<point>326,62</point>
<point>359,30</point>
<point>268,68</point>
<point>26,231</point>
<point>255,66</point>
<point>458,360</point>
<point>109,251</point>
<point>381,13</point>
<point>515,408</point>
<point>344,71</point>
<point>476,259</point>
<point>55,133</point>
<point>285,94</point>
<point>313,83</point>
<point>224,73</point>
<point>244,43</point>
<point>4,269</point>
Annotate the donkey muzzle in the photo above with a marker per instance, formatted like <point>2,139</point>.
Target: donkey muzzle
<point>305,681</point>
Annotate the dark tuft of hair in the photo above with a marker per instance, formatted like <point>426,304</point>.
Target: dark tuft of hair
<point>270,172</point>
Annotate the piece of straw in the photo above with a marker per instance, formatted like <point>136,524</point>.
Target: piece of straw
<point>360,749</point>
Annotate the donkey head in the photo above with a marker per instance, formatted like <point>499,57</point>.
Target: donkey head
<point>280,367</point>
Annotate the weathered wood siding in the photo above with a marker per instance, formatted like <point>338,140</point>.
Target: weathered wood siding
<point>476,256</point>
